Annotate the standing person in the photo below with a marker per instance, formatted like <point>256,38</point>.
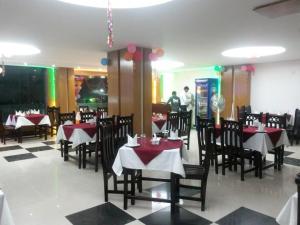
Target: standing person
<point>187,99</point>
<point>174,101</point>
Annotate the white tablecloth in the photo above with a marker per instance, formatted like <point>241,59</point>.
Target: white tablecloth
<point>288,214</point>
<point>5,215</point>
<point>262,143</point>
<point>156,129</point>
<point>78,137</point>
<point>21,121</point>
<point>168,161</point>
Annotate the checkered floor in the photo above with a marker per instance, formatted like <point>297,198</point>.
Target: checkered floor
<point>42,189</point>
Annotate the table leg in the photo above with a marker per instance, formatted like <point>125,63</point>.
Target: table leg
<point>66,151</point>
<point>125,189</point>
<point>84,156</point>
<point>46,131</point>
<point>173,192</point>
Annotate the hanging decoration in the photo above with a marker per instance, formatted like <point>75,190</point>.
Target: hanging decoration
<point>109,25</point>
<point>128,56</point>
<point>159,52</point>
<point>136,55</point>
<point>104,61</point>
<point>131,48</point>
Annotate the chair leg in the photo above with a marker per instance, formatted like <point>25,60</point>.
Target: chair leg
<point>105,180</point>
<point>223,164</point>
<point>203,195</point>
<point>140,181</point>
<point>61,149</point>
<point>96,159</point>
<point>79,157</point>
<point>216,164</point>
<point>115,182</point>
<point>242,169</point>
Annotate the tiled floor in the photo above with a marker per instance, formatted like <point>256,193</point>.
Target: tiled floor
<point>42,189</point>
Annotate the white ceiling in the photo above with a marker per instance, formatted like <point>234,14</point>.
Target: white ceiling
<point>192,31</point>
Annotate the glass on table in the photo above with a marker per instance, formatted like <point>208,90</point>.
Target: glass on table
<point>165,134</point>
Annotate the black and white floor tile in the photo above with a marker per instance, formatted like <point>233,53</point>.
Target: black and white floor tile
<point>43,189</point>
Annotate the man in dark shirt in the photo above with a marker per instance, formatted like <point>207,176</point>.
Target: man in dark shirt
<point>174,101</point>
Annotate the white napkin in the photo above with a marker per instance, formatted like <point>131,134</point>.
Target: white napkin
<point>261,127</point>
<point>174,134</point>
<point>256,123</point>
<point>131,141</point>
<point>68,122</point>
<point>91,120</point>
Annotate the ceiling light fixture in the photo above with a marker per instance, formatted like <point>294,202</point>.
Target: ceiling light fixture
<point>253,52</point>
<point>163,65</point>
<point>120,4</point>
<point>8,49</point>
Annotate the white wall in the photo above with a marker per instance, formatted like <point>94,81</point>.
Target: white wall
<point>275,87</point>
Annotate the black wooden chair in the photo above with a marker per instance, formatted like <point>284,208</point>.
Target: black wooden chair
<point>277,121</point>
<point>62,118</point>
<point>248,109</point>
<point>6,131</point>
<point>202,125</point>
<point>108,154</point>
<point>102,112</point>
<point>294,132</point>
<point>53,113</point>
<point>172,121</point>
<point>84,108</point>
<point>249,118</point>
<point>241,110</point>
<point>124,127</point>
<point>85,116</point>
<point>200,171</point>
<point>185,124</point>
<point>232,146</point>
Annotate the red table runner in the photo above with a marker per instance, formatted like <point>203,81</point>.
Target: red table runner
<point>35,118</point>
<point>248,132</point>
<point>90,129</point>
<point>159,121</point>
<point>147,151</point>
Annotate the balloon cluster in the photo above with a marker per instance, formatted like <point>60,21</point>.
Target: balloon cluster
<point>247,68</point>
<point>136,55</point>
<point>104,61</point>
<point>133,53</point>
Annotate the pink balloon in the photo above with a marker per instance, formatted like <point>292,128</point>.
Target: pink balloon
<point>137,56</point>
<point>244,68</point>
<point>153,56</point>
<point>131,48</point>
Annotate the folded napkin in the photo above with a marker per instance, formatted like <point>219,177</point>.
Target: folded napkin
<point>261,127</point>
<point>255,123</point>
<point>131,141</point>
<point>174,134</point>
<point>91,120</point>
<point>78,117</point>
<point>68,122</point>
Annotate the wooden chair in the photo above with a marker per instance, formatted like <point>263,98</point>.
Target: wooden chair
<point>241,110</point>
<point>248,109</point>
<point>172,121</point>
<point>294,132</point>
<point>62,118</point>
<point>249,118</point>
<point>6,131</point>
<point>84,108</point>
<point>185,124</point>
<point>85,116</point>
<point>108,154</point>
<point>200,171</point>
<point>277,121</point>
<point>232,146</point>
<point>124,127</point>
<point>53,113</point>
<point>101,112</point>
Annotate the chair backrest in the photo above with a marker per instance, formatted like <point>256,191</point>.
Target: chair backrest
<point>84,108</point>
<point>124,126</point>
<point>276,121</point>
<point>63,117</point>
<point>251,117</point>
<point>248,109</point>
<point>231,135</point>
<point>172,121</point>
<point>297,122</point>
<point>185,123</point>
<point>53,113</point>
<point>85,116</point>
<point>107,145</point>
<point>241,110</point>
<point>101,112</point>
<point>202,125</point>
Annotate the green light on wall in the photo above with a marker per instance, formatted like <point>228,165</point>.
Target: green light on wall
<point>51,85</point>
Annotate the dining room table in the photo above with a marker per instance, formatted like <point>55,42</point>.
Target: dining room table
<point>37,120</point>
<point>261,141</point>
<point>166,156</point>
<point>78,135</point>
<point>5,213</point>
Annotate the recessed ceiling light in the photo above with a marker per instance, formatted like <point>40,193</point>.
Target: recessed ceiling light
<point>166,64</point>
<point>8,49</point>
<point>122,4</point>
<point>253,52</point>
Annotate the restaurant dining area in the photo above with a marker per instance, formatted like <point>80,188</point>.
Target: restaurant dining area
<point>152,112</point>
